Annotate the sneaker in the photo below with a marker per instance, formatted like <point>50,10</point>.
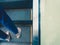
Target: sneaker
<point>9,36</point>
<point>18,35</point>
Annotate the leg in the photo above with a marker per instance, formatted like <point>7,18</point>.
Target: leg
<point>8,23</point>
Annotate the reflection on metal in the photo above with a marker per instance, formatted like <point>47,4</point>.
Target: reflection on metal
<point>22,14</point>
<point>23,19</point>
<point>38,22</point>
<point>35,23</point>
<point>25,35</point>
<point>26,32</point>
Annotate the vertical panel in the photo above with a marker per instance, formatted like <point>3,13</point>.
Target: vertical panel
<point>35,22</point>
<point>50,22</point>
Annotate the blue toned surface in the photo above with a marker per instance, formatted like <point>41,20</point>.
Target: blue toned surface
<point>6,21</point>
<point>15,16</point>
<point>19,14</point>
<point>21,4</point>
<point>9,0</point>
<point>35,40</point>
<point>23,40</point>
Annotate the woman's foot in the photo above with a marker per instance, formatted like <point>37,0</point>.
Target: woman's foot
<point>9,36</point>
<point>18,35</point>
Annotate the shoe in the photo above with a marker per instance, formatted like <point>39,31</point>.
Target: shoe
<point>18,35</point>
<point>9,36</point>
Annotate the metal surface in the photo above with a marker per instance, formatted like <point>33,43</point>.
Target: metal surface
<point>36,24</point>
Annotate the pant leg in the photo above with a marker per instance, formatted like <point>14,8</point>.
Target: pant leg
<point>7,22</point>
